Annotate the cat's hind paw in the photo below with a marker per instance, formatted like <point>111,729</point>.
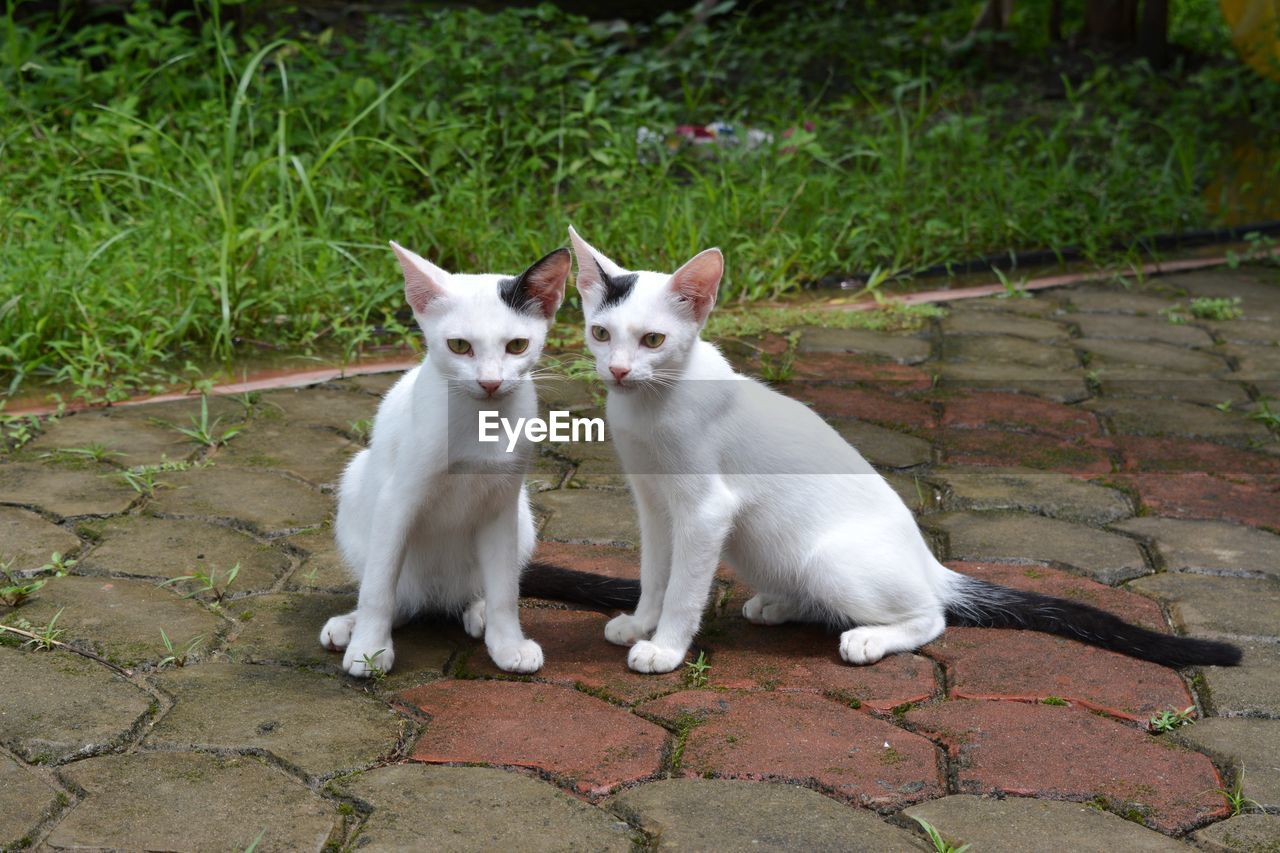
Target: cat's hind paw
<point>767,610</point>
<point>369,661</point>
<point>649,657</point>
<point>473,619</point>
<point>625,630</point>
<point>862,645</point>
<point>524,656</point>
<point>336,633</point>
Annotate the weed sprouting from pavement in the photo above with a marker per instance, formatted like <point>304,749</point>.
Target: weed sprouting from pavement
<point>697,672</point>
<point>1236,800</point>
<point>940,844</point>
<point>207,581</point>
<point>1168,720</point>
<point>203,432</point>
<point>14,591</point>
<point>179,658</point>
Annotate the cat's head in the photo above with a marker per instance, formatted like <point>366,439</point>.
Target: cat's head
<point>642,325</point>
<point>484,332</point>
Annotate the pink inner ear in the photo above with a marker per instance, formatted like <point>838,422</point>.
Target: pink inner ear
<point>545,282</point>
<point>698,281</point>
<point>420,285</point>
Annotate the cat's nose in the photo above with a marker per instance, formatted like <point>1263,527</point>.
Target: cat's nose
<point>490,388</point>
<point>619,373</point>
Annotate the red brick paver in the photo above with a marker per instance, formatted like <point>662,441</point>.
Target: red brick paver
<point>1018,413</point>
<point>1244,498</point>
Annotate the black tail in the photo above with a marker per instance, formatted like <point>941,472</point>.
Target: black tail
<point>544,580</point>
<point>979,604</point>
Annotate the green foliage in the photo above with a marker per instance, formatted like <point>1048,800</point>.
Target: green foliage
<point>179,658</point>
<point>697,672</point>
<point>940,844</point>
<point>14,590</point>
<point>211,582</point>
<point>1167,721</point>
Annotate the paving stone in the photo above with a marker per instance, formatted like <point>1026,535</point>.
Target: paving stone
<point>1128,328</point>
<point>1018,413</point>
<point>899,348</point>
<point>1105,352</point>
<point>1014,351</point>
<point>806,659</point>
<point>376,384</point>
<point>182,413</point>
<point>1241,742</point>
<point>601,559</point>
<point>1178,455</point>
<point>576,653</point>
<point>315,407</point>
<point>322,567</point>
<point>27,801</point>
<point>129,434</point>
<point>1122,380</point>
<point>584,742</point>
<point>1100,300</point>
<point>58,705</point>
<point>149,547</point>
<point>574,395</point>
<point>1257,332</point>
<point>986,323</point>
<point>882,447</point>
<point>1173,418</point>
<point>268,502</point>
<point>597,464</point>
<point>1243,498</point>
<point>118,618</point>
<point>1041,492</point>
<point>1062,753</point>
<point>1255,363</point>
<point>1062,386</point>
<point>589,516</point>
<point>1106,557</point>
<point>315,454</point>
<point>724,814</point>
<point>1204,605</point>
<point>1037,304</point>
<point>798,737</point>
<point>284,628</point>
<point>65,490</point>
<point>547,473</point>
<point>1208,547</point>
<point>877,405</point>
<point>1079,457</point>
<point>1254,286</point>
<point>27,540</point>
<point>192,801</point>
<point>1246,833</point>
<point>1016,824</point>
<point>1251,689</point>
<point>1129,606</point>
<point>419,807</point>
<point>844,367</point>
<point>310,721</point>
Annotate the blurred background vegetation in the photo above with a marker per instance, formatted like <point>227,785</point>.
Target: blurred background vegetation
<point>192,181</point>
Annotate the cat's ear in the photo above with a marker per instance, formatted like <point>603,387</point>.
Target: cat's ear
<point>424,282</point>
<point>594,269</point>
<point>541,286</point>
<point>695,284</point>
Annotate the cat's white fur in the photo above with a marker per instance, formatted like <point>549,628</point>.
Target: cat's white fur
<point>724,468</point>
<point>428,524</point>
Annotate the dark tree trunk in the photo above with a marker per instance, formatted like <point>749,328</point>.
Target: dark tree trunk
<point>1111,20</point>
<point>1153,35</point>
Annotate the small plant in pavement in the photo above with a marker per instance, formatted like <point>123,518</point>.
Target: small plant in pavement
<point>179,658</point>
<point>58,565</point>
<point>14,591</point>
<point>1265,414</point>
<point>207,581</point>
<point>940,844</point>
<point>40,637</point>
<point>376,672</point>
<point>1167,721</point>
<point>1236,800</point>
<point>696,672</point>
<point>205,432</point>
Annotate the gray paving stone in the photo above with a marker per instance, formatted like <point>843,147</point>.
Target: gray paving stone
<point>27,801</point>
<point>1004,348</point>
<point>899,348</point>
<point>597,463</point>
<point>589,516</point>
<point>118,618</point>
<point>882,447</point>
<point>986,322</point>
<point>1017,824</point>
<point>1136,381</point>
<point>724,814</point>
<point>285,628</point>
<point>316,407</point>
<point>376,384</point>
<point>1255,362</point>
<point>1106,557</point>
<point>130,435</point>
<point>1251,689</point>
<point>268,502</point>
<point>311,721</point>
<point>65,490</point>
<point>573,395</point>
<point>1242,742</point>
<point>1254,286</point>
<point>1042,492</point>
<point>421,807</point>
<point>164,548</point>
<point>1061,386</point>
<point>192,801</point>
<point>1128,328</point>
<point>1205,605</point>
<point>1173,418</point>
<point>1250,332</point>
<point>1040,305</point>
<point>1095,299</point>
<point>27,540</point>
<point>917,493</point>
<point>1106,351</point>
<point>1210,547</point>
<point>322,566</point>
<point>58,705</point>
<point>1246,833</point>
<point>316,454</point>
<point>548,472</point>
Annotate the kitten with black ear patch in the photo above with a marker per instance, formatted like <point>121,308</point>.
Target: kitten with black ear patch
<point>723,467</point>
<point>426,523</point>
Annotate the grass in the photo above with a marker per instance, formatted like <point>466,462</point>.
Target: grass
<point>1236,800</point>
<point>940,844</point>
<point>185,189</point>
<point>205,432</point>
<point>697,672</point>
<point>179,658</point>
<point>212,582</point>
<point>1168,720</point>
<point>13,590</point>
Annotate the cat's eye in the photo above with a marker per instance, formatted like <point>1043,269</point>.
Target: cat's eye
<point>600,333</point>
<point>515,346</point>
<point>459,346</point>
<point>653,340</point>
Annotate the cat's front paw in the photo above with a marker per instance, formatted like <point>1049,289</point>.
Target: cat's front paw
<point>473,619</point>
<point>649,657</point>
<point>336,633</point>
<point>626,629</point>
<point>524,656</point>
<point>861,646</point>
<point>365,660</point>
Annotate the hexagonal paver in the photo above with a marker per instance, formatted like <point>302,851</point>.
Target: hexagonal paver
<point>725,814</point>
<point>1251,689</point>
<point>1004,348</point>
<point>58,705</point>
<point>192,801</point>
<point>1016,824</point>
<point>1106,351</point>
<point>315,454</point>
<point>1239,742</point>
<point>420,807</point>
<point>268,502</point>
<point>27,540</point>
<point>1179,455</point>
<point>878,405</point>
<point>899,348</point>
<point>1101,299</point>
<point>129,435</point>
<point>964,321</point>
<point>1246,833</point>
<point>28,800</point>
<point>322,566</point>
<point>798,737</point>
<point>1041,492</point>
<point>1061,386</point>
<point>1209,547</point>
<point>118,618</point>
<point>589,516</point>
<point>589,744</point>
<point>165,548</point>
<point>310,721</point>
<point>316,406</point>
<point>1018,413</point>
<point>1065,753</point>
<point>65,490</point>
<point>375,384</point>
<point>1174,418</point>
<point>1244,498</point>
<point>882,447</point>
<point>1204,605</point>
<point>1112,327</point>
<point>1107,557</point>
<point>1079,457</point>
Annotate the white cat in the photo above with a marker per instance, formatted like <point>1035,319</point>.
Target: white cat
<point>428,517</point>
<point>723,467</point>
